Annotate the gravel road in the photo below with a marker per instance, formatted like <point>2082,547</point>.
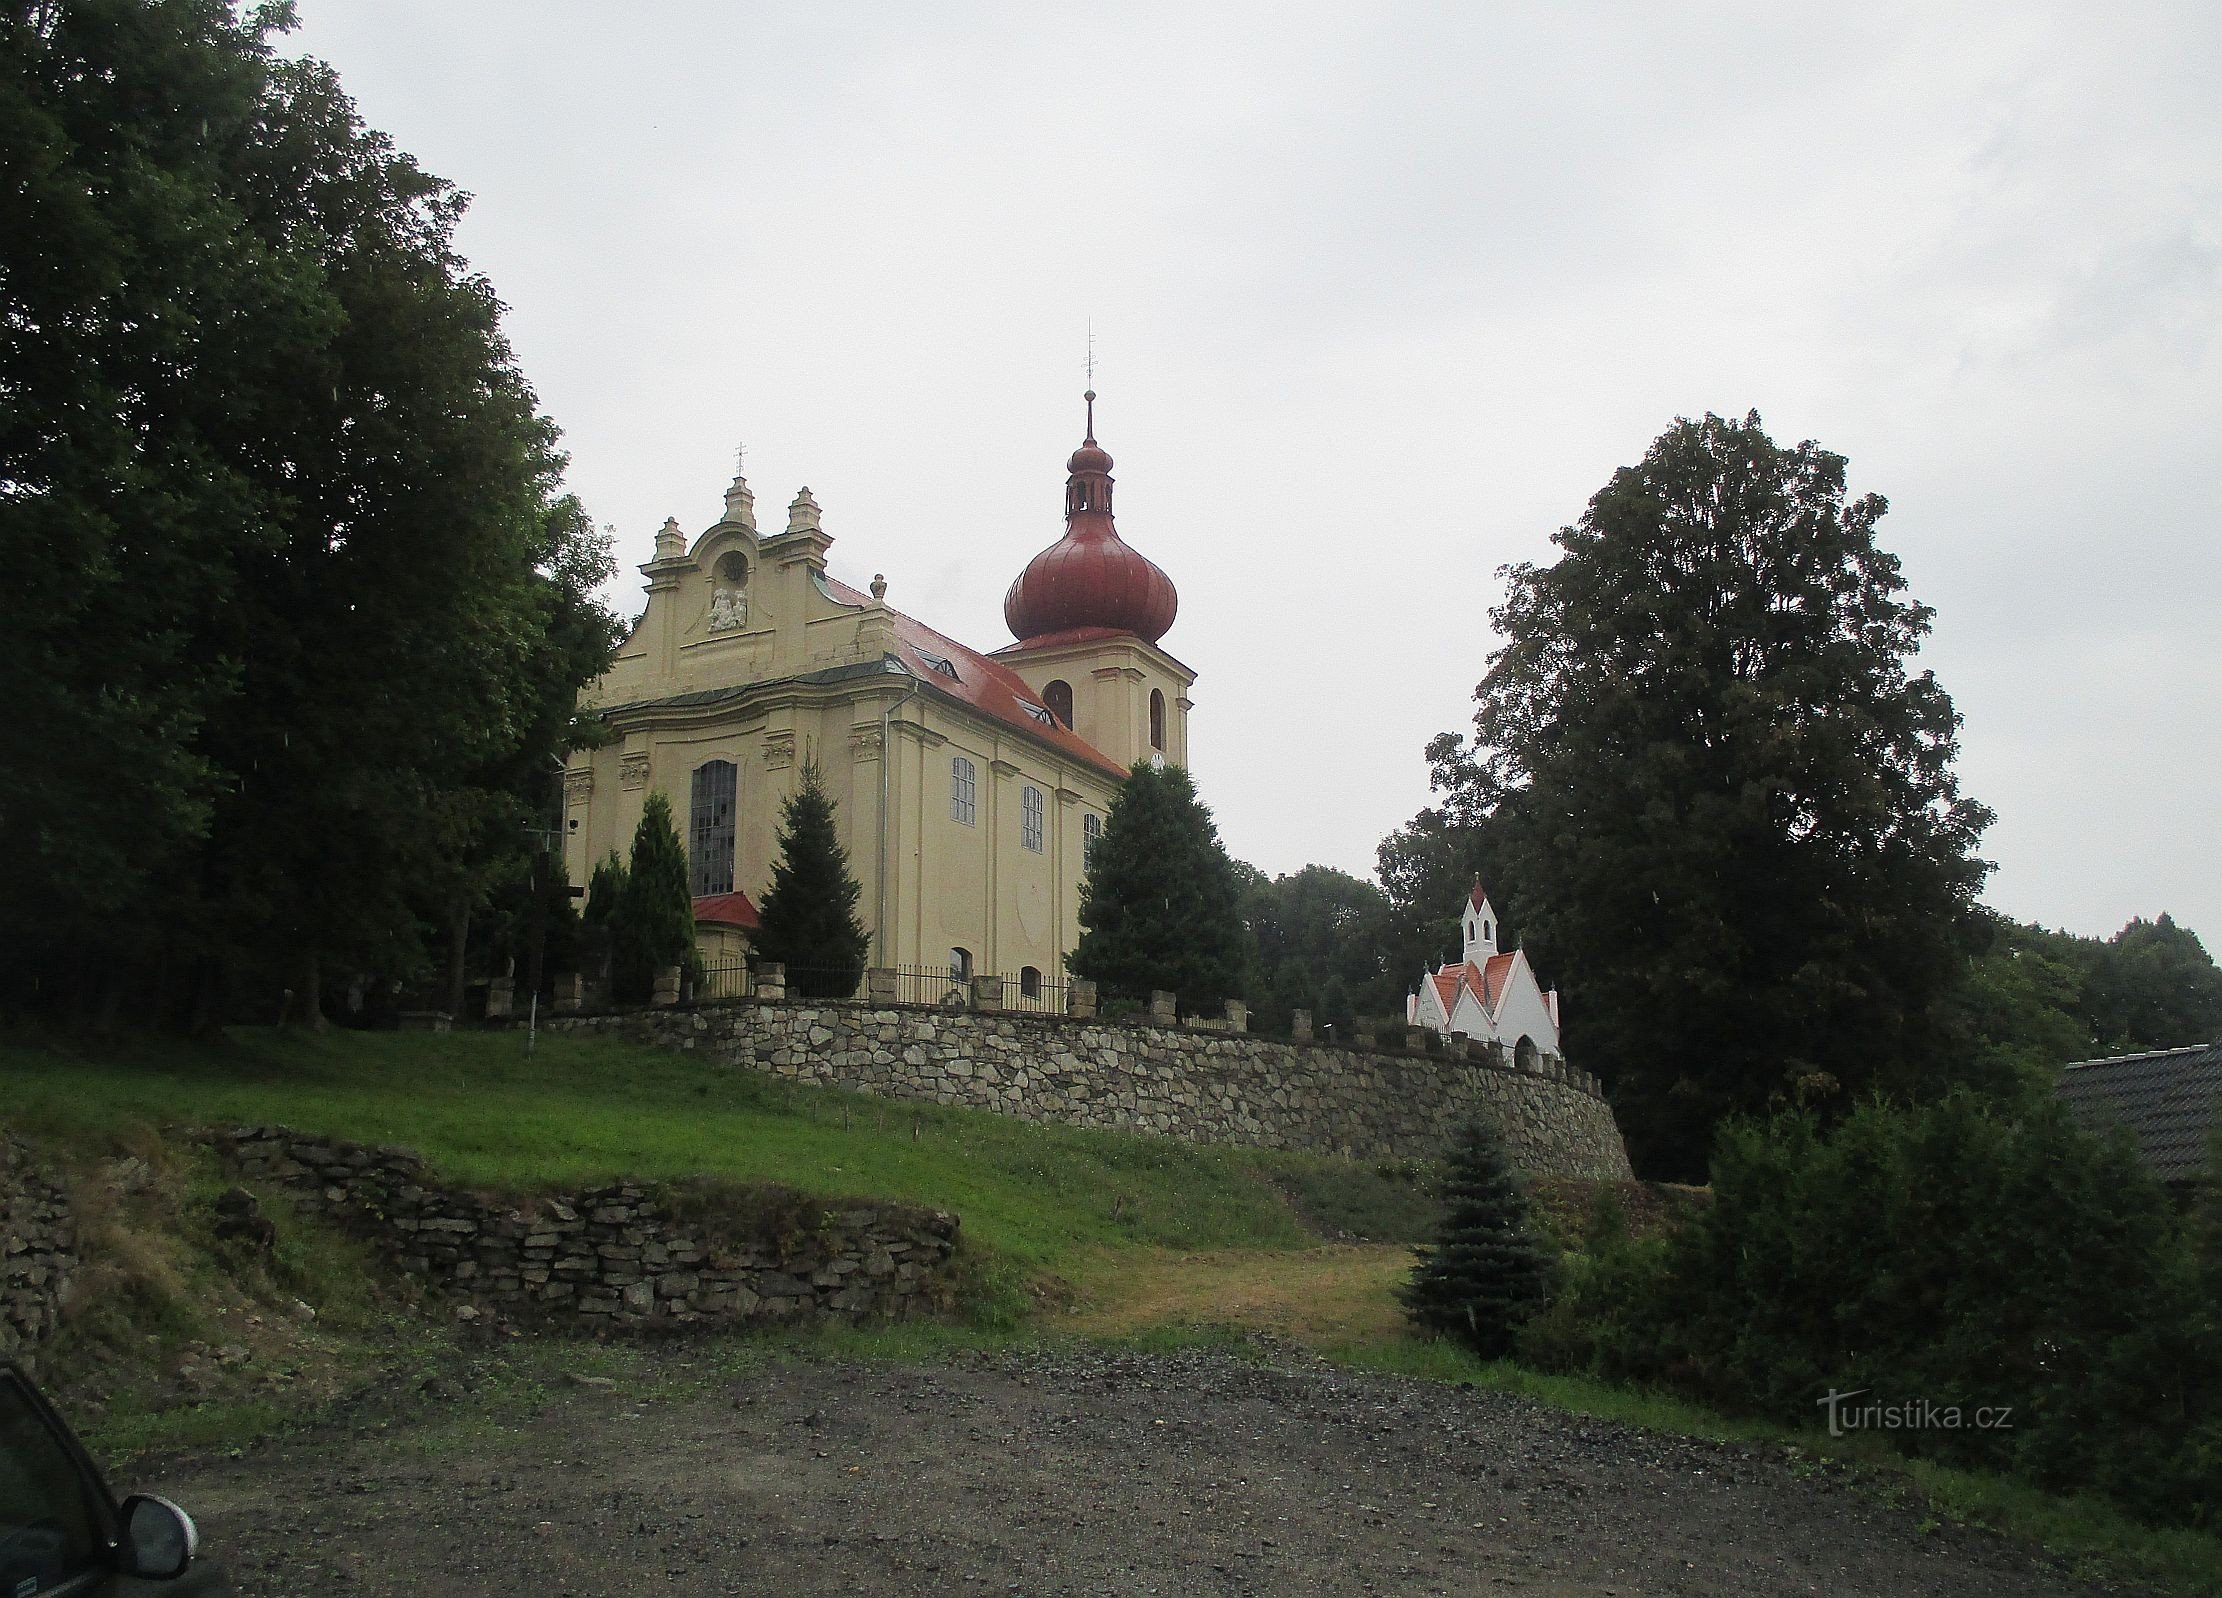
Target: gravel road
<point>1088,1473</point>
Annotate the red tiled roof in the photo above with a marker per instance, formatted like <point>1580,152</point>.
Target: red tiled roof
<point>726,910</point>
<point>988,686</point>
<point>1492,977</point>
<point>1486,980</point>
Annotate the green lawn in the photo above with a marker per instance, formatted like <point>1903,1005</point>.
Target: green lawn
<point>1162,1240</point>
<point>583,1111</point>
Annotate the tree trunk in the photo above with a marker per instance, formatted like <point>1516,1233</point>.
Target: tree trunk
<point>459,942</point>
<point>536,960</point>
<point>308,1001</point>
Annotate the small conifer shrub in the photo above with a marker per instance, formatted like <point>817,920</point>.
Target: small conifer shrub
<point>652,925</point>
<point>1487,1273</point>
<point>808,919</point>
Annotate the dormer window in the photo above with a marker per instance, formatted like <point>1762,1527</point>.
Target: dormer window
<point>940,663</point>
<point>1039,713</point>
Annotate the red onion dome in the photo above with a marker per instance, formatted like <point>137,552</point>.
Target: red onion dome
<point>1090,577</point>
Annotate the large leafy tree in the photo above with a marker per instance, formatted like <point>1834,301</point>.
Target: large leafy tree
<point>1721,796</point>
<point>1324,945</point>
<point>303,612</point>
<point>1162,905</point>
<point>128,497</point>
<point>808,918</point>
<point>2152,986</point>
<point>1428,866</point>
<point>2032,999</point>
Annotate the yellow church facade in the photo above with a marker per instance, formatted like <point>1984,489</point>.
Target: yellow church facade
<point>969,786</point>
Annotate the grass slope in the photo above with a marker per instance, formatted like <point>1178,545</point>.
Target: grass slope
<point>1156,1242</point>
<point>581,1111</point>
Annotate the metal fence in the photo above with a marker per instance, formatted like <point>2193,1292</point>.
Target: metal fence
<point>939,985</point>
<point>727,979</point>
<point>1035,997</point>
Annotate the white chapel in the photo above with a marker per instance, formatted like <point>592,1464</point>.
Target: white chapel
<point>1490,994</point>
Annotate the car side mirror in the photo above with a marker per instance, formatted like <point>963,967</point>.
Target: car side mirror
<point>159,1540</point>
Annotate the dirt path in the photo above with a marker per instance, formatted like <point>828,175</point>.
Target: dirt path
<point>1088,1473</point>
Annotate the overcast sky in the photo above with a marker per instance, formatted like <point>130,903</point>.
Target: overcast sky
<point>1382,294</point>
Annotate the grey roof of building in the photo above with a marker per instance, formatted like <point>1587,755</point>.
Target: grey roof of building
<point>2169,1100</point>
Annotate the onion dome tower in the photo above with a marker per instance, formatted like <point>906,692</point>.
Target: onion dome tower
<point>1089,580</point>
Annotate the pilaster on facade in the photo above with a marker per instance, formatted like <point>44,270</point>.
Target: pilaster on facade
<point>779,749</point>
<point>632,770</point>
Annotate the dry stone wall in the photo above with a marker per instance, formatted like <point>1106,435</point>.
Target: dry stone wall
<point>617,1257</point>
<point>1201,1086</point>
<point>38,1249</point>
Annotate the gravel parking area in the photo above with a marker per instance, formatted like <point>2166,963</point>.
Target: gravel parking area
<point>1088,1473</point>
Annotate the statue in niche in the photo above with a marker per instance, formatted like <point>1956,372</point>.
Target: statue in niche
<point>728,610</point>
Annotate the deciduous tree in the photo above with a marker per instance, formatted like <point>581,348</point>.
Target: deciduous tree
<point>1721,797</point>
<point>297,609</point>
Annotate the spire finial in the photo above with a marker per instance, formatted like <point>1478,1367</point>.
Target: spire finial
<point>1090,396</point>
<point>740,460</point>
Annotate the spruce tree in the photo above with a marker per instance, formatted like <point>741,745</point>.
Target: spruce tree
<point>808,919</point>
<point>1162,904</point>
<point>1487,1272</point>
<point>652,925</point>
<point>604,887</point>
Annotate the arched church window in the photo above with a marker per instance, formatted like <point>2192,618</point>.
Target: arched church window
<point>1091,834</point>
<point>1525,1055</point>
<point>1058,697</point>
<point>960,965</point>
<point>964,789</point>
<point>1157,720</point>
<point>1030,827</point>
<point>710,826</point>
<point>1029,982</point>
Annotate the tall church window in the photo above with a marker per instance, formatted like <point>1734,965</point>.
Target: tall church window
<point>1157,720</point>
<point>1091,834</point>
<point>960,965</point>
<point>1030,819</point>
<point>1058,697</point>
<point>710,851</point>
<point>1029,982</point>
<point>964,790</point>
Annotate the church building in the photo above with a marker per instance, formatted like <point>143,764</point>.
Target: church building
<point>970,786</point>
<point>1490,995</point>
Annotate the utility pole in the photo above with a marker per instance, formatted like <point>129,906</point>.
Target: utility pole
<point>547,840</point>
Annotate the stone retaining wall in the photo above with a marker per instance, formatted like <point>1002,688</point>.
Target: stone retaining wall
<point>613,1257</point>
<point>38,1249</point>
<point>1201,1086</point>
